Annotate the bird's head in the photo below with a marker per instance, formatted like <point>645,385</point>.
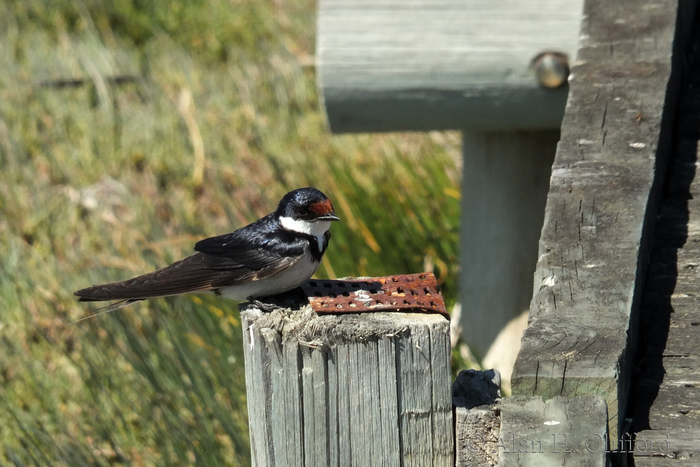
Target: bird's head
<point>306,210</point>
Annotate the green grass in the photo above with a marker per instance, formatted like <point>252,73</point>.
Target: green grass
<point>103,181</point>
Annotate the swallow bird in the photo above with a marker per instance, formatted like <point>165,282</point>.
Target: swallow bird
<point>272,255</point>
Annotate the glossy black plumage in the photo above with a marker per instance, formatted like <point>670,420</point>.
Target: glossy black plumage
<point>255,252</point>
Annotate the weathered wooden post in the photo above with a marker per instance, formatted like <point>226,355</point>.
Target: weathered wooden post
<point>420,65</point>
<point>605,187</point>
<point>346,388</point>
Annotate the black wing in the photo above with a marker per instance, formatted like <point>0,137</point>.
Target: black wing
<point>220,261</point>
<point>254,247</point>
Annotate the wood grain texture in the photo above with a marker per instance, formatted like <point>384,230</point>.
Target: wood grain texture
<point>477,433</point>
<point>370,389</point>
<point>604,190</point>
<point>407,65</point>
<point>561,431</point>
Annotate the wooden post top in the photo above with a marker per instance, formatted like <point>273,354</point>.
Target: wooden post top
<point>322,331</point>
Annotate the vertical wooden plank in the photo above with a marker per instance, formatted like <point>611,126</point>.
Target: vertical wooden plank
<point>442,415</point>
<point>358,434</point>
<point>371,368</point>
<point>321,407</point>
<point>275,390</point>
<point>404,362</point>
<point>388,402</point>
<point>333,409</point>
<point>415,398</point>
<point>422,443</point>
<point>309,404</point>
<point>345,439</point>
<point>292,401</point>
<point>256,379</point>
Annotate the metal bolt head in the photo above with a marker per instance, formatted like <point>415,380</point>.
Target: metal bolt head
<point>551,68</point>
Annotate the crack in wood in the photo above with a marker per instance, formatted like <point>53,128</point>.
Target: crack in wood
<point>605,113</point>
<point>563,377</point>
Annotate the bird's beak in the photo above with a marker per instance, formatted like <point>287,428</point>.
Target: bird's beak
<point>328,217</point>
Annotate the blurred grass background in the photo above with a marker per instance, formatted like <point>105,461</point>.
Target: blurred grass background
<point>128,130</point>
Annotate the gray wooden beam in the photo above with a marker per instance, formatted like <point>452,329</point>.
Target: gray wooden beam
<point>604,190</point>
<point>558,432</point>
<point>371,389</point>
<point>418,65</point>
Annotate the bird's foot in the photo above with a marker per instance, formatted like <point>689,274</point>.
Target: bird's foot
<point>263,306</point>
<point>293,299</point>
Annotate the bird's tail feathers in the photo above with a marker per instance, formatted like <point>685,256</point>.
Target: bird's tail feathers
<point>104,309</point>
